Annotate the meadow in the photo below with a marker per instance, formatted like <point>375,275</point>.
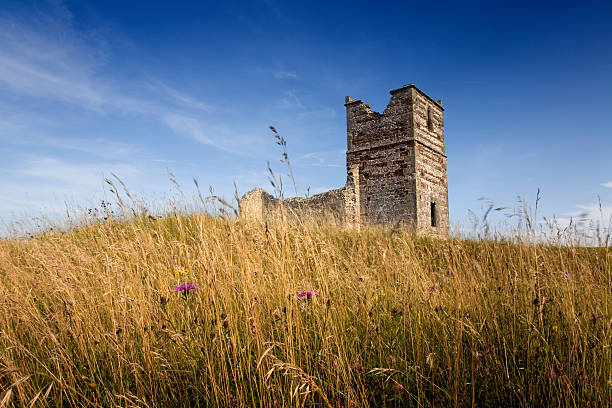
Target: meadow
<point>190,310</point>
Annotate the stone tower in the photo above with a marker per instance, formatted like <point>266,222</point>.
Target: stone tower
<point>396,170</point>
<point>396,165</point>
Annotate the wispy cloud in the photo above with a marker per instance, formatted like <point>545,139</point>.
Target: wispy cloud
<point>608,184</point>
<point>96,147</point>
<point>320,114</point>
<point>188,126</point>
<point>285,75</point>
<point>329,158</point>
<point>231,139</point>
<point>44,184</point>
<point>181,97</point>
<point>594,221</point>
<point>47,59</point>
<point>592,212</point>
<point>73,174</point>
<point>291,100</point>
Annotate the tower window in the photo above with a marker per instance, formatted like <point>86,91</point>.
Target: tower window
<point>429,120</point>
<point>432,206</point>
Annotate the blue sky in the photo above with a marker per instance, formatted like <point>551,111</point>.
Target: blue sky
<point>89,88</point>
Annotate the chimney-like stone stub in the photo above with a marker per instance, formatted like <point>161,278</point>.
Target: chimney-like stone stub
<point>258,204</point>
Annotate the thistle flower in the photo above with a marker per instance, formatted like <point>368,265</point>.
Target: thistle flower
<point>185,287</point>
<point>308,294</point>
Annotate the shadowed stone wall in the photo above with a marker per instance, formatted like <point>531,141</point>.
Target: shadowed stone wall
<point>396,169</point>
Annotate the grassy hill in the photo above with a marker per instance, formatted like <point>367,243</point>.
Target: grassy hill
<point>90,318</point>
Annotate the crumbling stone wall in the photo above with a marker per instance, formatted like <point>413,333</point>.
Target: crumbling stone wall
<point>328,205</point>
<point>260,205</point>
<point>396,169</point>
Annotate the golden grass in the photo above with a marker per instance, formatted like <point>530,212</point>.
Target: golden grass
<point>89,318</point>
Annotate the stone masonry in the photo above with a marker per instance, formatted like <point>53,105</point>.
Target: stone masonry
<point>396,170</point>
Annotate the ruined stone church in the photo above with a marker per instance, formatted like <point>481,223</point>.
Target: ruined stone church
<point>396,170</point>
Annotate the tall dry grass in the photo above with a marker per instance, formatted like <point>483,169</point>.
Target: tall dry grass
<point>89,318</point>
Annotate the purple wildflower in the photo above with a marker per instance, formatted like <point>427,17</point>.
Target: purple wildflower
<point>308,294</point>
<point>597,316</point>
<point>185,287</point>
<point>399,387</point>
<point>553,375</point>
<point>432,288</point>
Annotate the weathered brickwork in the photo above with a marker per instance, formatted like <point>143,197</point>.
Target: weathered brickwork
<point>396,169</point>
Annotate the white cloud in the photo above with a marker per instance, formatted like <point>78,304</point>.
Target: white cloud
<point>46,186</point>
<point>179,96</point>
<point>291,100</point>
<point>285,75</point>
<point>608,184</point>
<point>321,114</point>
<point>593,212</point>
<point>188,126</point>
<point>96,147</point>
<point>73,174</point>
<point>330,158</point>
<point>590,224</point>
<point>227,138</point>
<point>47,59</point>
